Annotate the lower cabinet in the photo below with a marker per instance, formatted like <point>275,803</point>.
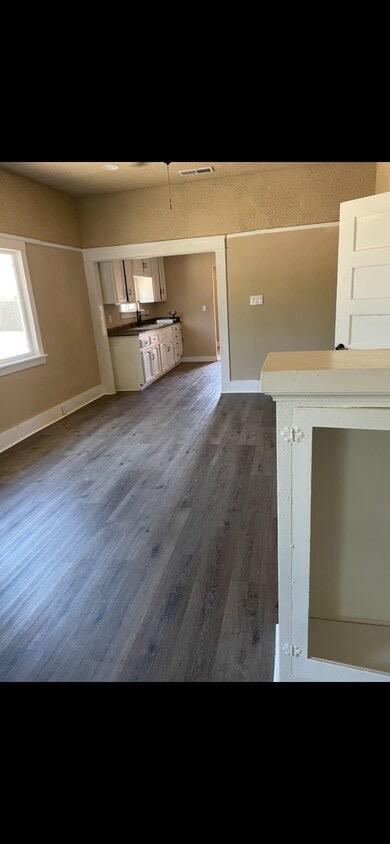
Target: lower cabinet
<point>168,358</point>
<point>147,366</point>
<point>156,361</point>
<point>139,360</point>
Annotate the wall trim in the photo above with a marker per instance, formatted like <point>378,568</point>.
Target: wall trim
<point>157,248</point>
<point>48,417</point>
<point>41,242</point>
<point>199,359</point>
<point>243,387</point>
<point>282,229</point>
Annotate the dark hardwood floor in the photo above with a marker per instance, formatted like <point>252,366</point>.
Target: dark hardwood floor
<point>138,539</point>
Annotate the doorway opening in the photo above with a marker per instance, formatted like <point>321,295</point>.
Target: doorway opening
<point>173,293</point>
<point>159,313</point>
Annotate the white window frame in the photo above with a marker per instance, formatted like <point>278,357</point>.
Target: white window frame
<point>36,356</point>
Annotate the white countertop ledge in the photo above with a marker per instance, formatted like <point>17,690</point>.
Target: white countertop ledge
<point>344,372</point>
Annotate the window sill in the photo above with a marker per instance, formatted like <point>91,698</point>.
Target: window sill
<point>25,363</point>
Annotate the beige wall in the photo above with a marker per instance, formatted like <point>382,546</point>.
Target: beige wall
<point>114,318</point>
<point>282,196</point>
<point>29,209</point>
<point>382,177</point>
<point>297,273</point>
<point>189,286</point>
<point>61,298</point>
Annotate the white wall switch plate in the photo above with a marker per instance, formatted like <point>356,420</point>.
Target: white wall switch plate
<point>256,300</point>
<point>204,308</point>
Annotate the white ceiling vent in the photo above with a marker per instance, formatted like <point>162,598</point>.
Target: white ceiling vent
<point>200,171</point>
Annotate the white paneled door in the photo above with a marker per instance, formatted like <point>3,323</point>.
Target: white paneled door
<point>363,280</point>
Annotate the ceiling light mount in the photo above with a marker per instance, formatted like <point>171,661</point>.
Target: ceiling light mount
<point>110,165</point>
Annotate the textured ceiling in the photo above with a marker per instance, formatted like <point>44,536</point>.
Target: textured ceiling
<point>88,177</point>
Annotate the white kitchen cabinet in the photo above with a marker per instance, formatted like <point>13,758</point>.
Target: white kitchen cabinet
<point>140,359</point>
<point>116,280</point>
<point>162,281</point>
<point>167,355</point>
<point>147,365</point>
<point>149,280</point>
<point>143,266</point>
<point>113,283</point>
<point>333,458</point>
<point>129,274</point>
<point>156,361</point>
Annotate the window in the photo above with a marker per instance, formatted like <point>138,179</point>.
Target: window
<point>20,341</point>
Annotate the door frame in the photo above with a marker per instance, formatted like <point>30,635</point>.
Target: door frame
<point>156,249</point>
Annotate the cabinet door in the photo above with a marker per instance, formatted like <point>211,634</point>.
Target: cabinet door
<point>170,354</point>
<point>167,355</point>
<point>144,288</point>
<point>119,282</point>
<point>164,363</point>
<point>147,265</point>
<point>112,279</point>
<point>147,366</point>
<point>340,568</point>
<point>155,273</point>
<point>156,361</point>
<point>161,279</point>
<point>129,273</point>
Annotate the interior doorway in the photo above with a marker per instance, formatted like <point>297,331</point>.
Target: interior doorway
<point>190,246</point>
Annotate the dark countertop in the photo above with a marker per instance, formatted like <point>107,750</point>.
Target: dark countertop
<point>131,330</point>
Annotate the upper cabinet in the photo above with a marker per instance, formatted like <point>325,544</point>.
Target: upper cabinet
<point>149,280</point>
<point>129,275</point>
<point>117,282</point>
<point>139,280</point>
<point>163,286</point>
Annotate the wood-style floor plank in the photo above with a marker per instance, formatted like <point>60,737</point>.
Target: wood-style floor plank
<point>138,539</point>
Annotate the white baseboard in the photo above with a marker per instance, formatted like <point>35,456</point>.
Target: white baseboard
<point>48,417</point>
<point>243,387</point>
<point>276,663</point>
<point>199,359</point>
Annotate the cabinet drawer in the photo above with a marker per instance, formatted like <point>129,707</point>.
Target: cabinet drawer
<point>148,338</point>
<point>144,341</point>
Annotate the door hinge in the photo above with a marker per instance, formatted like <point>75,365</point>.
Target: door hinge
<point>291,650</point>
<point>292,435</point>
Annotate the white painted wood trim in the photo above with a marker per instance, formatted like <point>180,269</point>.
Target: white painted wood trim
<point>282,229</point>
<point>199,359</point>
<point>243,387</point>
<point>27,302</point>
<point>40,242</point>
<point>163,248</point>
<point>26,363</point>
<point>48,417</point>
<point>99,326</point>
<point>276,661</point>
<point>157,249</point>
